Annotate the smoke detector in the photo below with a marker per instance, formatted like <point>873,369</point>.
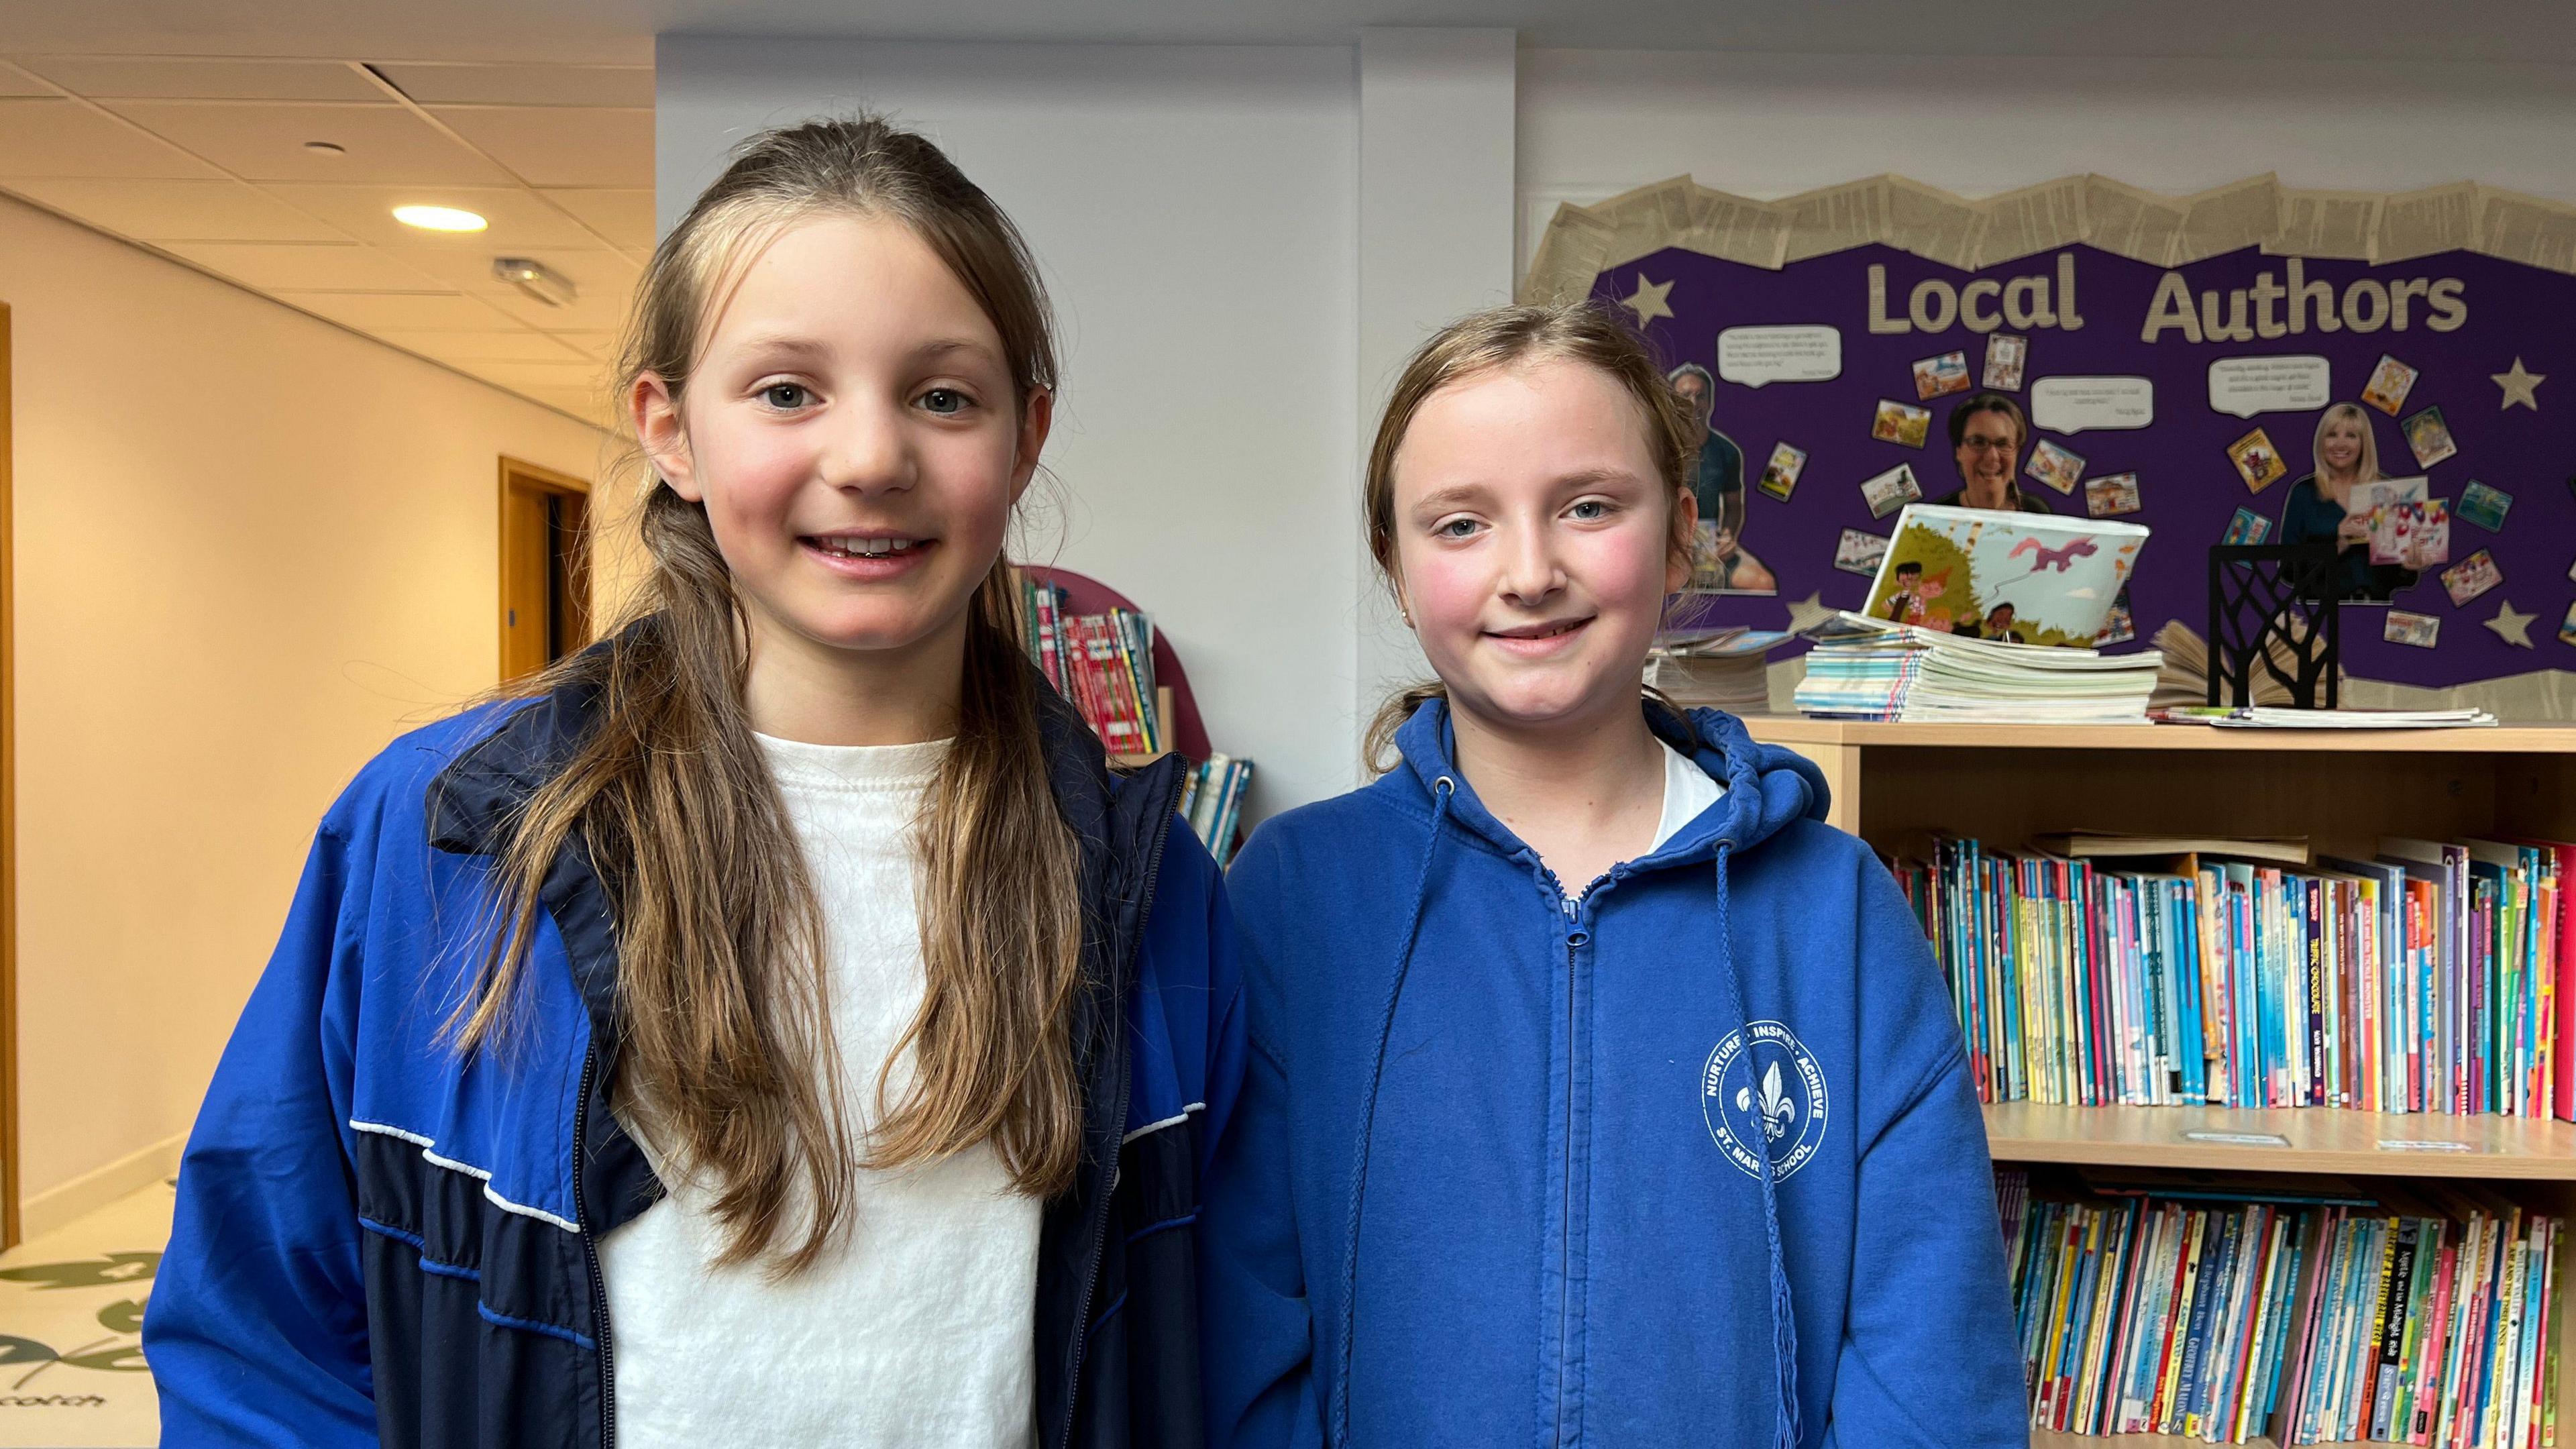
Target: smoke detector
<point>535,278</point>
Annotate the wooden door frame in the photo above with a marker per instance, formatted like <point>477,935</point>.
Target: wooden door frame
<point>9,1179</point>
<point>521,472</point>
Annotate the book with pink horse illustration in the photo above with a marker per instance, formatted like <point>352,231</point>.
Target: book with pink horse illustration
<point>1989,574</point>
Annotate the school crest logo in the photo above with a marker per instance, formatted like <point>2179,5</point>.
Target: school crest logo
<point>1763,1092</point>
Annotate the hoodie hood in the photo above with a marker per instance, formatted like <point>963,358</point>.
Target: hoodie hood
<point>1767,786</point>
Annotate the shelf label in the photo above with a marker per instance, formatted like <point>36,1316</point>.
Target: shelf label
<point>2421,1144</point>
<point>2241,1139</point>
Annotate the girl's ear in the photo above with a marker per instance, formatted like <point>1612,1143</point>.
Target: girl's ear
<point>1677,559</point>
<point>1036,417</point>
<point>658,429</point>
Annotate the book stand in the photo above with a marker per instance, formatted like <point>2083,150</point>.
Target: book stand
<point>2263,593</point>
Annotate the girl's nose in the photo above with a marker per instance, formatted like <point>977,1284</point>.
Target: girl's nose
<point>867,450</point>
<point>1531,570</point>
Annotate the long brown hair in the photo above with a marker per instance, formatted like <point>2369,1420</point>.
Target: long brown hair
<point>727,1042</point>
<point>1489,341</point>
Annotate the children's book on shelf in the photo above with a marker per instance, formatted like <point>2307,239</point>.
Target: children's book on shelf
<point>2000,574</point>
<point>2307,1309</point>
<point>1104,664</point>
<point>2432,977</point>
<point>1212,801</point>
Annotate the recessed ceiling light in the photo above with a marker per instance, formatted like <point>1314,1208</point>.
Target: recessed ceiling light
<point>326,148</point>
<point>439,218</point>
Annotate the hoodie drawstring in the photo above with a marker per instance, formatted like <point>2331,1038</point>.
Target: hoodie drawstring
<point>1441,791</point>
<point>1784,1322</point>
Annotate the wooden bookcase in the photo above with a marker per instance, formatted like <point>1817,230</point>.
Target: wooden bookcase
<point>1895,784</point>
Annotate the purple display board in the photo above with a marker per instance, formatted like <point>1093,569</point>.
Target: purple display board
<point>2452,321</point>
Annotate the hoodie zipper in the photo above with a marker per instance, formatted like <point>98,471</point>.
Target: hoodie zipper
<point>590,1254</point>
<point>1126,1081</point>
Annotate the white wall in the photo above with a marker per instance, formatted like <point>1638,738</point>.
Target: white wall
<point>251,548</point>
<point>1193,211</point>
<point>1435,241</point>
<point>1594,123</point>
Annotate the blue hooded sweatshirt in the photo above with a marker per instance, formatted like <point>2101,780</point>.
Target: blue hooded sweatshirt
<point>1693,1159</point>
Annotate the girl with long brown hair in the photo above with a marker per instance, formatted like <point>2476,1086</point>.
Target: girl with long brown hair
<point>774,1024</point>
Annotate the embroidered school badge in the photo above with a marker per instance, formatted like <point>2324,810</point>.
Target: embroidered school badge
<point>1764,1094</point>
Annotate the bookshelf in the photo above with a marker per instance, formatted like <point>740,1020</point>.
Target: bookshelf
<point>1894,784</point>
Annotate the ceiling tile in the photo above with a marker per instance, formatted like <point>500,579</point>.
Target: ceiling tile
<point>16,82</point>
<point>624,217</point>
<point>416,311</point>
<point>590,312</point>
<point>384,144</point>
<point>167,211</point>
<point>206,79</point>
<point>561,145</point>
<point>598,345</point>
<point>462,348</point>
<point>578,376</point>
<point>66,138</point>
<point>518,220</point>
<point>524,85</point>
<point>272,266</point>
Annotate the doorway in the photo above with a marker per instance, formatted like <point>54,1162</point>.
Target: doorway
<point>545,567</point>
<point>8,816</point>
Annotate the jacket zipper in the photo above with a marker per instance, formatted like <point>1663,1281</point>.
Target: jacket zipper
<point>1109,1182</point>
<point>1565,1198</point>
<point>590,1254</point>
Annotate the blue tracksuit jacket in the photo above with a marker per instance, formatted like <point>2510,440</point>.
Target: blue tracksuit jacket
<point>1692,1160</point>
<point>381,1242</point>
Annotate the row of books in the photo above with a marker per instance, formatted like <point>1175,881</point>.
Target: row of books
<point>2435,977</point>
<point>2310,1313</point>
<point>1212,801</point>
<point>1863,668</point>
<point>1103,663</point>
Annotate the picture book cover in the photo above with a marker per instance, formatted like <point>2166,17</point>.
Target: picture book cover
<point>1987,574</point>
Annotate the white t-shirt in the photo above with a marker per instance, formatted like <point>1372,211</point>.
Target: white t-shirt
<point>1688,790</point>
<point>918,1329</point>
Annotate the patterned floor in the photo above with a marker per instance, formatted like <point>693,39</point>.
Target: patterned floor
<point>71,1320</point>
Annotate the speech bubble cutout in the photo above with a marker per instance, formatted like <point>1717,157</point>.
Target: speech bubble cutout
<point>1755,356</point>
<point>2243,386</point>
<point>2079,404</point>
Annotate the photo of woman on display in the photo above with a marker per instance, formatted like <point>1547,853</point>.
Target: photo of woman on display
<point>2320,506</point>
<point>1718,560</point>
<point>1986,434</point>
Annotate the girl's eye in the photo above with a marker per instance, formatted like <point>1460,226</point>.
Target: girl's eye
<point>945,401</point>
<point>1590,510</point>
<point>786,396</point>
<point>1454,528</point>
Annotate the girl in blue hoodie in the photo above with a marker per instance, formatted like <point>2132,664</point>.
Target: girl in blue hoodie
<point>1600,1093</point>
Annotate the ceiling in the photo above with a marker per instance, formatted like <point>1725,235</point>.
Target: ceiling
<point>622,31</point>
<point>209,159</point>
<point>182,124</point>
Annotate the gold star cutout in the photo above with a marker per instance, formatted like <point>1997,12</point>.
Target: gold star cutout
<point>1809,613</point>
<point>2512,628</point>
<point>1648,300</point>
<point>2518,385</point>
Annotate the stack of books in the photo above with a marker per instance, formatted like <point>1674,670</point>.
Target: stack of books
<point>1723,669</point>
<point>1212,801</point>
<point>1871,669</point>
<point>1103,663</point>
<point>2309,1312</point>
<point>2434,977</point>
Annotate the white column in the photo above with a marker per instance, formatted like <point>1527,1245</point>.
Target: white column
<point>1435,241</point>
